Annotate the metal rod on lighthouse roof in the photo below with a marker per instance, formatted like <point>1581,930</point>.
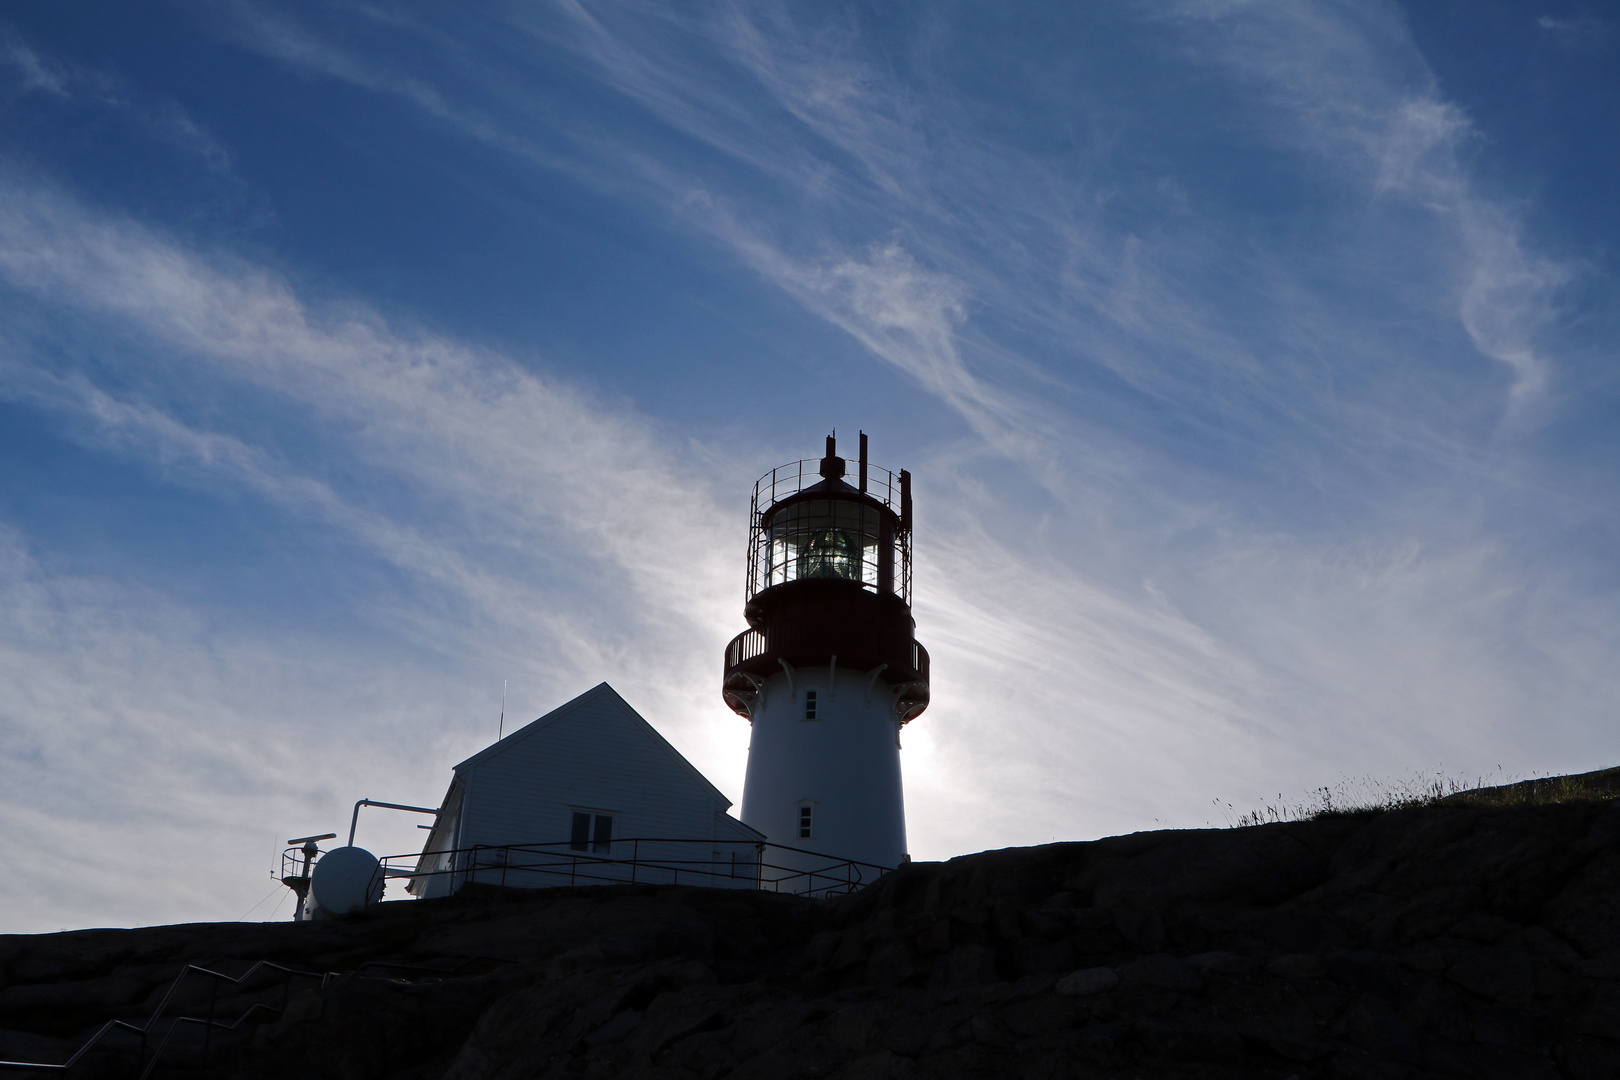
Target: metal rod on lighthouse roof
<point>863,463</point>
<point>905,500</point>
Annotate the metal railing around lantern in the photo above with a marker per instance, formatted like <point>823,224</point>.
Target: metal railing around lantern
<point>788,480</point>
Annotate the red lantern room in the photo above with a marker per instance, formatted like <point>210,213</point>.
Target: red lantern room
<point>829,581</point>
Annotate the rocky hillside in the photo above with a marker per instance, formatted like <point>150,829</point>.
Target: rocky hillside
<point>1452,940</point>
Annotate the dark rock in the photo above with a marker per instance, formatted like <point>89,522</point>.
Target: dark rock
<point>856,1027</point>
<point>1435,1006</point>
<point>1290,1037</point>
<point>1503,975</point>
<point>1601,1016</point>
<point>1142,929</point>
<point>1473,941</point>
<point>893,964</point>
<point>1590,1059</point>
<point>1295,929</point>
<point>1367,1067</point>
<point>1368,971</point>
<point>1429,957</point>
<point>1607,967</point>
<point>935,937</point>
<point>963,966</point>
<point>989,1031</point>
<point>1099,1042</point>
<point>1373,1025</point>
<point>1435,911</point>
<point>1164,971</point>
<point>1189,1038</point>
<point>1047,922</point>
<point>1489,1063</point>
<point>1325,999</point>
<point>1587,912</point>
<point>1297,966</point>
<point>1263,865</point>
<point>1092,918</point>
<point>1544,943</point>
<point>28,1046</point>
<point>1224,963</point>
<point>1093,931</point>
<point>850,951</point>
<point>1483,927</point>
<point>1039,1015</point>
<point>907,1035</point>
<point>1087,982</point>
<point>1137,999</point>
<point>819,952</point>
<point>108,993</point>
<point>1500,1025</point>
<point>1037,956</point>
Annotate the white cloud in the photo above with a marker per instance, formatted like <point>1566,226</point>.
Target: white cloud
<point>1350,87</point>
<point>1125,624</point>
<point>509,475</point>
<point>34,72</point>
<point>1579,33</point>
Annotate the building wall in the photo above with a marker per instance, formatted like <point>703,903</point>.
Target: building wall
<point>595,757</point>
<point>435,868</point>
<point>843,765</point>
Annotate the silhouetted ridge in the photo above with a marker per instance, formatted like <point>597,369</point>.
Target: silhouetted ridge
<point>1451,940</point>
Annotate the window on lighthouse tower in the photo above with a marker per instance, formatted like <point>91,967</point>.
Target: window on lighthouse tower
<point>805,822</point>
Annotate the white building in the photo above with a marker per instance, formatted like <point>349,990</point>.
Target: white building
<point>588,794</point>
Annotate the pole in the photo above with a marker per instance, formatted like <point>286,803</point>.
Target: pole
<point>355,820</point>
<point>500,732</point>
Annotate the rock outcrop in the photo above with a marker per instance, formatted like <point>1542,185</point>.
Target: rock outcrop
<point>1444,941</point>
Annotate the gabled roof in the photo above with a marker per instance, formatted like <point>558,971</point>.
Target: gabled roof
<point>600,690</point>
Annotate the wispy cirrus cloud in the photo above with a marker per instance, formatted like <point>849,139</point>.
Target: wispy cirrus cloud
<point>33,72</point>
<point>1578,33</point>
<point>541,499</point>
<point>1240,368</point>
<point>1349,88</point>
<point>898,188</point>
<point>506,473</point>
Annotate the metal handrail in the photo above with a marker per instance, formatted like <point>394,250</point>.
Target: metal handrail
<point>837,875</point>
<point>785,481</point>
<point>147,1065</point>
<point>143,1031</point>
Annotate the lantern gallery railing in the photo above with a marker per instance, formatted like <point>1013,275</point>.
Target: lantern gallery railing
<point>786,480</point>
<point>837,537</point>
<point>745,646</point>
<point>644,860</point>
<point>751,643</point>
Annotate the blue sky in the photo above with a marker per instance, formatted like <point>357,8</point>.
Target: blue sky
<point>1254,360</point>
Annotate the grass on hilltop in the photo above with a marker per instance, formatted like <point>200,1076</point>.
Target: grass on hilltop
<point>1366,796</point>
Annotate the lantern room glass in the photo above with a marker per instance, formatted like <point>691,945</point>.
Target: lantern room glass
<point>825,538</point>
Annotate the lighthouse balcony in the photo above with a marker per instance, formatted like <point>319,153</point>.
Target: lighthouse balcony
<point>755,655</point>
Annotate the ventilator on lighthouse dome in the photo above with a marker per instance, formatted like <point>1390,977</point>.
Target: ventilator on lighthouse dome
<point>829,670</point>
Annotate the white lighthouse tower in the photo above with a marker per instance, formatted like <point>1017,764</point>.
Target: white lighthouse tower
<point>829,670</point>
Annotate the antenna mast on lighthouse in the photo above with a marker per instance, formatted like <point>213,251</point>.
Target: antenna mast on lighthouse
<point>830,669</point>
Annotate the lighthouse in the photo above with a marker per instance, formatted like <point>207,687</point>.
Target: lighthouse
<point>829,669</point>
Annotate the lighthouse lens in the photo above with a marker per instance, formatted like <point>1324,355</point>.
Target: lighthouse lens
<point>830,553</point>
<point>824,538</point>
